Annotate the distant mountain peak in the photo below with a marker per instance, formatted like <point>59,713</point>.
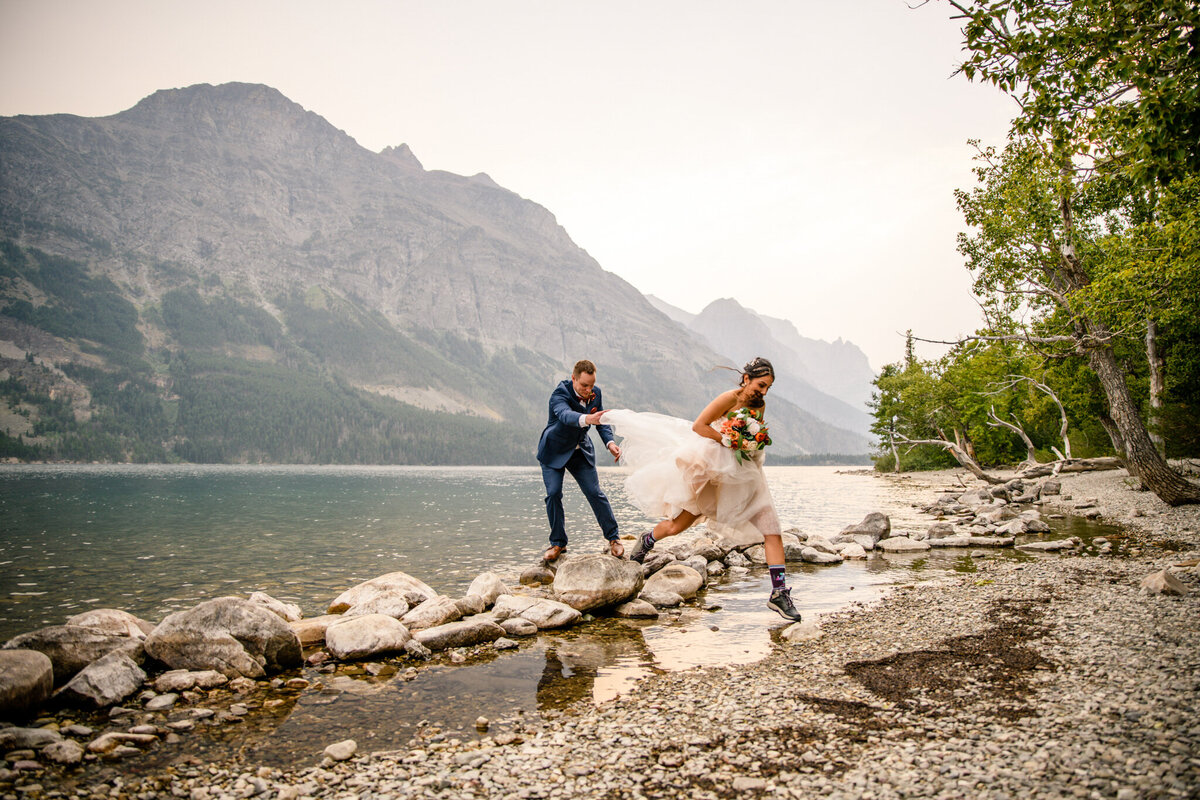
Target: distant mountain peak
<point>402,155</point>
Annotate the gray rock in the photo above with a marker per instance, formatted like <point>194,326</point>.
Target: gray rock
<point>228,634</point>
<point>1163,582</point>
<point>112,620</point>
<point>342,751</point>
<point>393,605</point>
<point>471,605</point>
<point>464,633</point>
<point>70,648</point>
<point>661,598</point>
<point>26,680</point>
<point>538,575</point>
<point>864,540</point>
<point>289,612</point>
<point>851,551</point>
<point>65,752</point>
<point>678,578</point>
<point>990,541</point>
<point>544,613</point>
<point>735,559</point>
<point>488,586</point>
<point>365,636</point>
<point>714,569</point>
<point>1051,486</point>
<point>27,738</point>
<point>813,556</point>
<point>950,541</point>
<point>414,649</point>
<point>518,626</point>
<point>793,552</point>
<point>692,543</point>
<point>635,609</point>
<point>756,554</point>
<point>162,702</point>
<point>437,610</point>
<point>597,580</point>
<point>876,525</point>
<point>505,644</point>
<point>804,631</point>
<point>901,544</point>
<point>393,584</point>
<point>107,680</point>
<point>940,530</point>
<point>1014,527</point>
<point>655,560</point>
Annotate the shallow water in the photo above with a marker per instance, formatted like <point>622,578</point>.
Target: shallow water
<point>156,539</point>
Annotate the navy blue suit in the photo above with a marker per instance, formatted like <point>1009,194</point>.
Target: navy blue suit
<point>565,446</point>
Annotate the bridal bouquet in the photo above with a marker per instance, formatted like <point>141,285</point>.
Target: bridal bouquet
<point>742,432</point>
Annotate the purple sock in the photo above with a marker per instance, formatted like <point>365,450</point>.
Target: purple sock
<point>648,541</point>
<point>778,581</point>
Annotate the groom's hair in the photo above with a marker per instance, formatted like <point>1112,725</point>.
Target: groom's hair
<point>582,367</point>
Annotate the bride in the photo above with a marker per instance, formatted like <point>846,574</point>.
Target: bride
<point>708,469</point>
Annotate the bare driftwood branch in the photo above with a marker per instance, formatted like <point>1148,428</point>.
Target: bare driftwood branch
<point>1073,465</point>
<point>996,422</point>
<point>959,454</point>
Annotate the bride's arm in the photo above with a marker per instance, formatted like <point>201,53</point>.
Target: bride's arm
<point>712,412</point>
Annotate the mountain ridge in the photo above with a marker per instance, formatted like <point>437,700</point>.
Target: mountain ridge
<point>220,228</point>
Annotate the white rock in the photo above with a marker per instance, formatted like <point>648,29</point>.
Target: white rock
<point>678,578</point>
<point>597,580</point>
<point>112,620</point>
<point>437,610</point>
<point>394,583</point>
<point>228,634</point>
<point>289,612</point>
<point>464,633</point>
<point>851,550</point>
<point>365,636</point>
<point>803,631</point>
<point>1163,582</point>
<point>342,751</point>
<point>901,544</point>
<point>518,626</point>
<point>540,611</point>
<point>813,556</point>
<point>489,586</point>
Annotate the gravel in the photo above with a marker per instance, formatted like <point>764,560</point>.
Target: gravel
<point>1049,677</point>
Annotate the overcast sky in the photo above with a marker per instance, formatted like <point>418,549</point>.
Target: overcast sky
<point>797,155</point>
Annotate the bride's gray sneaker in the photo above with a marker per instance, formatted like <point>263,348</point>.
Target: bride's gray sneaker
<point>781,603</point>
<point>645,543</point>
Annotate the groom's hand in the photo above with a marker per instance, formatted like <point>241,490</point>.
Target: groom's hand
<point>593,419</point>
<point>615,450</point>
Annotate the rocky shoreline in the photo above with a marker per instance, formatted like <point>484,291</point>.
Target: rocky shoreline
<point>1048,676</point>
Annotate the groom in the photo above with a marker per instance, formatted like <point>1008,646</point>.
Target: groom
<point>566,447</point>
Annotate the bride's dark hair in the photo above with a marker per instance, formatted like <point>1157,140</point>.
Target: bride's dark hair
<point>758,368</point>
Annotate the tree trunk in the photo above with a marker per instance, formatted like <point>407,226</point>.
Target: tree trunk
<point>1156,387</point>
<point>1171,487</point>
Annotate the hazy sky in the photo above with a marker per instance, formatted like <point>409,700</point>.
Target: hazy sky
<point>797,155</point>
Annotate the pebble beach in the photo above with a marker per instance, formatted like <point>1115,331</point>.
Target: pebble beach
<point>1052,676</point>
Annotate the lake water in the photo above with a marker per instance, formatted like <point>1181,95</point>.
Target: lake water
<point>156,539</point>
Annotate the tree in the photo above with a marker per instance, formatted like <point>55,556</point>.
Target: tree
<point>1110,120</point>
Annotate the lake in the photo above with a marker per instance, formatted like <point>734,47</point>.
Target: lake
<point>156,539</point>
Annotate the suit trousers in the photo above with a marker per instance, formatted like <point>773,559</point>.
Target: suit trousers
<point>589,482</point>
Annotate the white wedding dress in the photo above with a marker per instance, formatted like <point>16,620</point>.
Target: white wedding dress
<point>674,469</point>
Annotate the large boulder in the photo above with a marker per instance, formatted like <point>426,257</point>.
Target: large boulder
<point>875,525</point>
<point>402,584</point>
<point>593,581</point>
<point>365,636</point>
<point>26,680</point>
<point>289,612</point>
<point>695,543</point>
<point>113,620</point>
<point>437,610</point>
<point>393,605</point>
<point>69,647</point>
<point>228,634</point>
<point>678,578</point>
<point>464,633</point>
<point>540,611</point>
<point>107,680</point>
<point>488,586</point>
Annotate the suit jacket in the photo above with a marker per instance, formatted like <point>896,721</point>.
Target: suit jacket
<point>563,432</point>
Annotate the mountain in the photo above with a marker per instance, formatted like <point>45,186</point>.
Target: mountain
<point>217,274</point>
<point>840,368</point>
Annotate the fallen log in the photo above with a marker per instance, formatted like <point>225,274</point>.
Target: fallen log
<point>1072,465</point>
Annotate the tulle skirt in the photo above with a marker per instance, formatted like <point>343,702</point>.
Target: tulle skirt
<point>674,470</point>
